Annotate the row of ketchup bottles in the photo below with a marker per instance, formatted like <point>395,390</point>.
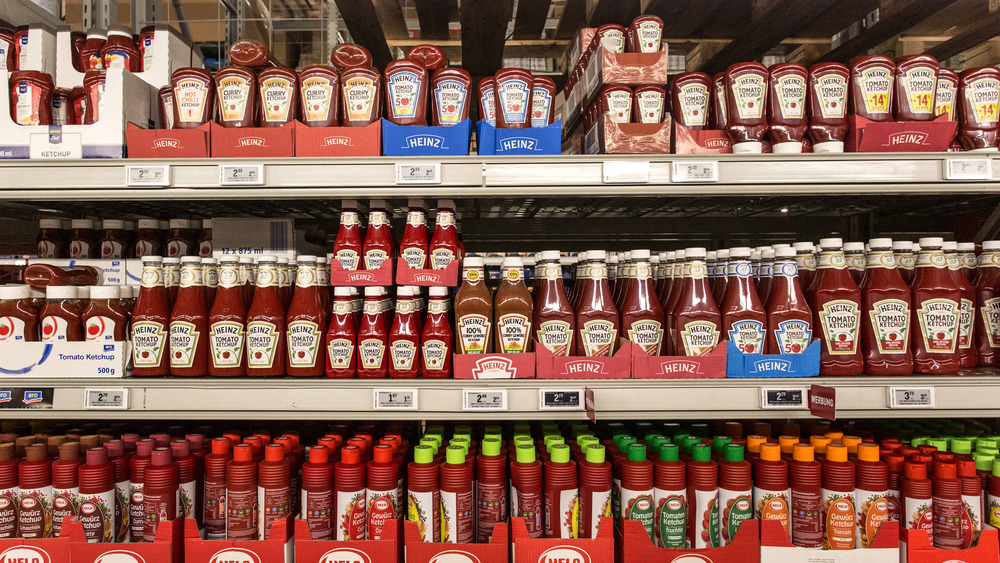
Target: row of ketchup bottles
<point>67,314</point>
<point>119,238</point>
<point>357,248</point>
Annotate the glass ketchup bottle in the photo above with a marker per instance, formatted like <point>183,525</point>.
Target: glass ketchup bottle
<point>18,317</point>
<point>936,307</point>
<point>189,322</point>
<point>443,247</point>
<point>436,337</point>
<point>744,319</point>
<point>347,247</point>
<point>697,318</point>
<point>641,314</point>
<point>789,318</point>
<point>378,245</point>
<point>413,246</point>
<point>60,317</point>
<point>597,321</point>
<point>266,323</point>
<point>671,295</point>
<point>150,320</point>
<point>341,336</point>
<point>966,311</point>
<point>373,337</point>
<point>987,333</point>
<point>473,311</point>
<point>553,318</point>
<point>404,337</point>
<point>885,318</point>
<point>105,320</point>
<point>306,323</point>
<point>513,309</point>
<point>836,305</point>
<point>227,323</point>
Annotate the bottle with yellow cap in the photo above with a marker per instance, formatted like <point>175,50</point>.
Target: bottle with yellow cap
<point>835,436</point>
<point>770,485</point>
<point>872,478</point>
<point>839,516</point>
<point>805,479</point>
<point>851,443</point>
<point>753,446</point>
<point>786,443</point>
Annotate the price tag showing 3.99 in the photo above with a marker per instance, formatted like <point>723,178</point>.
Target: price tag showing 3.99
<point>241,174</point>
<point>418,173</point>
<point>695,171</point>
<point>484,399</point>
<point>911,397</point>
<point>395,399</point>
<point>107,399</point>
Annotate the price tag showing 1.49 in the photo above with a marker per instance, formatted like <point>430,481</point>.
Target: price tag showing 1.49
<point>911,397</point>
<point>241,174</point>
<point>418,173</point>
<point>106,399</point>
<point>695,171</point>
<point>484,399</point>
<point>147,175</point>
<point>395,399</point>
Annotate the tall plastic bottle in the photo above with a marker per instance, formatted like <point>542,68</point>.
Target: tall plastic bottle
<point>936,312</point>
<point>789,318</point>
<point>215,488</point>
<point>373,337</point>
<point>473,310</point>
<point>553,319</point>
<point>379,242</point>
<point>885,319</point>
<point>642,316</point>
<point>341,336</point>
<point>34,500</point>
<point>347,246</point>
<point>65,485</point>
<point>242,505</point>
<point>966,315</point>
<point>637,492</point>
<point>735,492</point>
<point>382,478</point>
<point>444,244</point>
<point>350,512</point>
<point>771,493</point>
<point>703,498</point>
<point>839,514</point>
<point>987,331</point>
<point>404,337</point>
<point>413,246</point>
<point>8,490</point>
<point>316,506</point>
<point>595,490</point>
<point>527,497</point>
<point>948,512</point>
<point>437,339</point>
<point>670,497</point>
<point>187,481</point>
<point>97,497</point>
<point>274,493</point>
<point>561,493</point>
<point>872,481</point>
<point>150,322</point>
<point>836,303</point>
<point>458,520</point>
<point>696,317</point>
<point>992,501</point>
<point>513,309</point>
<point>972,501</point>
<point>424,493</point>
<point>266,323</point>
<point>137,509</point>
<point>805,480</point>
<point>160,492</point>
<point>491,488</point>
<point>744,319</point>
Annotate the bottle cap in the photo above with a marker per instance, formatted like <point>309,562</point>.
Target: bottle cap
<point>144,447</point>
<point>654,442</point>
<point>490,446</point>
<point>961,446</point>
<point>701,452</point>
<point>82,224</point>
<point>113,224</point>
<point>455,455</point>
<point>806,247</point>
<point>854,247</point>
<point>945,469</point>
<point>161,456</point>
<point>712,256</point>
<point>930,242</point>
<point>719,443</point>
<point>639,254</point>
<point>242,452</point>
<point>597,255</point>
<point>636,452</point>
<point>786,443</point>
<point>550,440</point>
<point>50,223</point>
<point>15,291</point>
<point>754,443</point>
<point>867,452</point>
<point>423,454</point>
<point>695,253</point>
<point>97,456</point>
<point>940,443</point>
<point>723,254</point>
<point>71,451</point>
<point>559,453</point>
<point>624,441</point>
<point>835,436</point>
<point>966,467</point>
<point>949,246</point>
<point>382,453</point>
<point>220,446</point>
<point>915,470</point>
<point>594,453</point>
<point>733,452</point>
<point>319,454</point>
<point>547,255</point>
<point>60,292</point>
<point>471,262</point>
<point>881,243</point>
<point>525,453</point>
<point>690,442</point>
<point>670,452</point>
<point>984,462</point>
<point>836,452</point>
<point>784,252</point>
<point>274,452</point>
<point>832,243</point>
<point>739,253</point>
<point>586,441</point>
<point>803,452</point>
<point>770,452</point>
<point>820,443</point>
<point>180,224</point>
<point>350,454</point>
<point>851,442</point>
<point>991,245</point>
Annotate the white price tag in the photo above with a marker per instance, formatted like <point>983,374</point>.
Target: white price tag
<point>241,174</point>
<point>106,399</point>
<point>418,172</point>
<point>395,399</point>
<point>147,175</point>
<point>911,397</point>
<point>695,171</point>
<point>626,172</point>
<point>968,169</point>
<point>560,399</point>
<point>484,399</point>
<point>784,398</point>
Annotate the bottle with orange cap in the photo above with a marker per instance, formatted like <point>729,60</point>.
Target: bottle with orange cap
<point>805,480</point>
<point>835,436</point>
<point>754,441</point>
<point>872,482</point>
<point>819,444</point>
<point>851,443</point>
<point>839,516</point>
<point>786,444</point>
<point>770,485</point>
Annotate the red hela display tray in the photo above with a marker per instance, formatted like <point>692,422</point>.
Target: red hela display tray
<point>277,549</point>
<point>320,551</point>
<point>426,552</point>
<point>540,550</point>
<point>636,547</point>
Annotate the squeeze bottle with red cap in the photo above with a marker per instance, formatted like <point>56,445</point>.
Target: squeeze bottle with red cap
<point>292,459</point>
<point>34,504</point>
<point>872,482</point>
<point>735,492</point>
<point>839,516</point>
<point>241,495</point>
<point>805,479</point>
<point>491,488</point>
<point>993,496</point>
<point>350,516</point>
<point>948,511</point>
<point>180,451</point>
<point>972,502</point>
<point>383,475</point>
<point>8,491</point>
<point>119,460</point>
<point>274,490</point>
<point>65,485</point>
<point>526,481</point>
<point>670,497</point>
<point>97,497</point>
<point>562,493</point>
<point>595,489</point>
<point>159,492</point>
<point>917,498</point>
<point>136,476</point>
<point>893,495</point>
<point>317,494</point>
<point>770,486</point>
<point>424,493</point>
<point>703,498</point>
<point>457,511</point>
<point>215,488</point>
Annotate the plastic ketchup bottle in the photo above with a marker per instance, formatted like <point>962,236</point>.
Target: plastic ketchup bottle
<point>383,475</point>
<point>373,337</point>
<point>512,309</point>
<point>242,507</point>
<point>473,311</point>
<point>992,518</point>
<point>872,479</point>
<point>947,510</point>
<point>595,490</point>
<point>637,489</point>
<point>936,311</point>
<point>341,336</point>
<point>839,516</point>
<point>987,333</point>
<point>97,497</point>
<point>404,338</point>
<point>670,497</point>
<point>746,103</point>
<point>966,315</point>
<point>804,476</point>
<point>491,488</point>
<point>306,322</point>
<point>180,451</point>
<point>836,306</point>
<point>436,337</point>
<point>413,246</point>
<point>735,492</point>
<point>215,488</point>
<point>160,492</point>
<point>424,493</point>
<point>744,319</point>
<point>61,317</point>
<point>527,496</point>
<point>9,491</point>
<point>350,514</point>
<point>65,485</point>
<point>642,315</point>
<point>274,497</point>
<point>561,493</point>
<point>786,106</point>
<point>378,245</point>
<point>554,320</point>
<point>457,498</point>
<point>972,501</point>
<point>789,318</point>
<point>189,322</point>
<point>137,468</point>
<point>770,487</point>
<point>885,321</point>
<point>347,246</point>
<point>444,246</point>
<point>266,323</point>
<point>703,498</point>
<point>317,494</point>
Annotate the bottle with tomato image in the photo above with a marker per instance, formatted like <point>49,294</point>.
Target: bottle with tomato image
<point>373,337</point>
<point>443,246</point>
<point>227,323</point>
<point>306,323</point>
<point>966,324</point>
<point>18,317</point>
<point>987,333</point>
<point>189,322</point>
<point>61,315</point>
<point>789,318</point>
<point>936,312</point>
<point>413,246</point>
<point>104,320</point>
<point>436,337</point>
<point>341,336</point>
<point>404,337</point>
<point>836,305</point>
<point>266,323</point>
<point>885,318</point>
<point>379,242</point>
<point>744,319</point>
<point>347,246</point>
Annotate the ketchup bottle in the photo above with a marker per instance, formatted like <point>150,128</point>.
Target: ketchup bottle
<point>150,320</point>
<point>266,323</point>
<point>836,305</point>
<point>215,488</point>
<point>378,245</point>
<point>902,250</point>
<point>703,498</point>
<point>350,514</point>
<point>720,277</point>
<point>137,467</point>
<point>597,320</point>
<point>744,320</point>
<point>839,516</point>
<point>966,315</point>
<point>747,99</point>
<point>242,505</point>
<point>786,107</point>
<point>404,338</point>
<point>720,110</point>
<point>626,274</point>
<point>637,489</point>
<point>595,490</point>
<point>65,486</point>
<point>373,338</point>
<point>735,492</point>
<point>936,307</point>
<point>226,323</point>
<point>61,316</point>
<point>690,93</point>
<point>987,282</point>
<point>341,337</point>
<point>473,310</point>
<point>670,498</point>
<point>347,246</point>
<point>641,313</point>
<point>972,501</point>
<point>885,305</point>
<point>424,493</point>
<point>993,496</point>
<point>977,111</point>
<point>34,500</point>
<point>188,322</point>
<point>805,260</point>
<point>872,87</point>
<point>947,506</point>
<point>789,318</point>
<point>554,320</point>
<point>770,486</point>
<point>872,479</point>
<point>306,321</point>
<point>561,493</point>
<point>444,245</point>
<point>491,488</point>
<point>804,475</point>
<point>383,475</point>
<point>317,494</point>
<point>97,497</point>
<point>160,492</point>
<point>457,498</point>
<point>696,317</point>
<point>180,451</point>
<point>20,316</point>
<point>527,496</point>
<point>9,491</point>
<point>828,106</point>
<point>413,247</point>
<point>274,495</point>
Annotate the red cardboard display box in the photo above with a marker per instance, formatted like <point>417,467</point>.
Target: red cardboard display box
<point>47,550</point>
<point>609,137</point>
<point>447,277</point>
<point>899,136</point>
<point>279,548</point>
<point>636,547</point>
<point>494,366</point>
<point>704,141</point>
<point>776,547</point>
<point>321,551</point>
<point>540,550</point>
<point>916,547</point>
<point>167,547</point>
<point>253,142</point>
<point>361,278</point>
<point>618,366</point>
<point>630,69</point>
<point>417,551</point>
<point>338,141</point>
<point>712,366</point>
<point>169,143</point>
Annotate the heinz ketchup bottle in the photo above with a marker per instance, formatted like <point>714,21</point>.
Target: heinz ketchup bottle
<point>373,337</point>
<point>936,309</point>
<point>150,320</point>
<point>987,333</point>
<point>836,305</point>
<point>404,337</point>
<point>697,320</point>
<point>306,322</point>
<point>641,314</point>
<point>227,323</point>
<point>444,246</point>
<point>554,320</point>
<point>188,322</point>
<point>789,318</point>
<point>966,315</point>
<point>885,306</point>
<point>436,338</point>
<point>744,320</point>
<point>266,323</point>
<point>682,269</point>
<point>347,246</point>
<point>341,337</point>
<point>413,246</point>
<point>379,241</point>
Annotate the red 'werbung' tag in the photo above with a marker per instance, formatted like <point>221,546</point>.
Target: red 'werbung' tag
<point>823,402</point>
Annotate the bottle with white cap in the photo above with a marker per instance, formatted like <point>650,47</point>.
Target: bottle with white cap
<point>937,308</point>
<point>181,241</point>
<point>114,240</point>
<point>966,312</point>
<point>669,299</point>
<point>744,319</point>
<point>306,323</point>
<point>347,246</point>
<point>373,337</point>
<point>61,316</point>
<point>20,318</point>
<point>404,337</point>
<point>597,320</point>
<point>987,334</point>
<point>248,279</point>
<point>711,262</point>
<point>885,317</point>
<point>51,239</point>
<point>379,242</point>
<point>150,321</point>
<point>805,262</point>
<point>836,305</point>
<point>227,322</point>
<point>698,324</point>
<point>413,247</point>
<point>473,310</point>
<point>189,322</point>
<point>341,337</point>
<point>719,277</point>
<point>789,318</point>
<point>902,251</point>
<point>612,270</point>
<point>554,320</point>
<point>210,277</point>
<point>667,278</point>
<point>105,320</point>
<point>323,283</point>
<point>436,337</point>
<point>266,323</point>
<point>641,313</point>
<point>854,254</point>
<point>967,256</point>
<point>83,243</point>
<point>443,247</point>
<point>512,309</point>
<point>171,277</point>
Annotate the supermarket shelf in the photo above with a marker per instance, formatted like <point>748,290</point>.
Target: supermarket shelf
<point>976,395</point>
<point>473,176</point>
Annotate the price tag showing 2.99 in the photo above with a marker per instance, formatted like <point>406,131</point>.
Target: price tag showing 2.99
<point>695,172</point>
<point>911,397</point>
<point>418,173</point>
<point>241,174</point>
<point>395,399</point>
<point>484,399</point>
<point>106,399</point>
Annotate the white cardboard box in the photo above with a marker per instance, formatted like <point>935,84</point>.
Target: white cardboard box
<point>38,52</point>
<point>64,359</point>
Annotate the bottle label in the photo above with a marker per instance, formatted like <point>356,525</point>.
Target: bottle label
<point>233,92</point>
<point>748,94</point>
<point>840,319</point>
<point>148,342</point>
<point>46,249</point>
<point>969,261</point>
<point>317,94</point>
<point>340,351</point>
<point>96,329</point>
<point>27,104</point>
<point>550,272</point>
<point>694,104</point>
<point>699,337</point>
<point>890,321</point>
<point>791,91</point>
<point>748,336</point>
<point>514,331</point>
<point>360,98</point>
<point>304,343</point>
<point>262,339</point>
<point>12,329</point>
<point>939,320</point>
<point>450,97</point>
<point>983,96</point>
<point>34,512</point>
<point>137,513</point>
<point>948,522</point>
<point>65,502</point>
<point>807,526</point>
<point>404,90</point>
<point>54,329</point>
<point>772,505</point>
<point>273,504</point>
<point>793,336</point>
<point>873,511</point>
<point>183,344</point>
<point>434,353</point>
<point>831,92</point>
<point>879,259</point>
<point>268,276</point>
<point>671,518</point>
<point>705,519</point>
<point>993,510</point>
<point>965,326</point>
<point>97,516</point>
<point>489,102</point>
<point>211,276</point>
<point>649,106</point>
<point>276,96</point>
<point>932,259</point>
<point>918,515</point>
<point>839,520</point>
<point>242,515</point>
<point>111,249</point>
<point>650,34</point>
<point>527,504</point>
<point>441,258</point>
<point>351,515</point>
<point>348,259</point>
<point>562,520</point>
<point>920,83</point>
<point>555,336</point>
<point>305,276</point>
<point>317,510</point>
<point>638,506</point>
<point>990,312</point>
<point>215,510</point>
<point>648,334</point>
<point>876,87</point>
<point>972,519</point>
<point>374,259</point>
<point>422,508</point>
<point>371,352</point>
<point>414,256</point>
<point>736,506</point>
<point>226,344</point>
<point>906,261</point>
<point>541,107</point>
<point>598,337</point>
<point>403,353</point>
<point>349,218</point>
<point>190,95</point>
<point>457,517</point>
<point>474,333</point>
<point>122,519</point>
<point>514,97</point>
<point>491,508</point>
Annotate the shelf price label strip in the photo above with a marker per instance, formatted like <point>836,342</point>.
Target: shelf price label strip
<point>241,174</point>
<point>784,398</point>
<point>408,173</point>
<point>910,398</point>
<point>147,176</point>
<point>395,399</point>
<point>484,400</point>
<point>560,400</point>
<point>966,169</point>
<point>694,171</point>
<point>115,398</point>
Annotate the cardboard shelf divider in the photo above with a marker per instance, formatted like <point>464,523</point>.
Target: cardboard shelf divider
<point>636,547</point>
<point>426,277</point>
<point>494,366</point>
<point>277,549</point>
<point>618,366</point>
<point>549,550</point>
<point>712,366</point>
<point>167,546</point>
<point>915,547</point>
<point>775,546</point>
<point>417,551</point>
<point>308,550</point>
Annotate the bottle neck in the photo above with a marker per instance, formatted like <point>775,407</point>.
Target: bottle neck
<point>438,305</point>
<point>932,258</point>
<point>229,277</point>
<point>267,276</point>
<point>343,305</point>
<point>192,276</point>
<point>152,276</point>
<point>445,219</point>
<point>306,276</point>
<point>472,276</point>
<point>415,218</point>
<point>989,260</point>
<point>881,258</point>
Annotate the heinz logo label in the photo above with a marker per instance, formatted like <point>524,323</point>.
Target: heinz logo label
<point>454,557</point>
<point>519,143</point>
<point>771,365</point>
<point>362,275</point>
<point>907,138</point>
<point>119,556</point>
<point>345,555</point>
<point>680,367</point>
<point>244,142</point>
<point>234,555</point>
<point>24,554</point>
<point>166,144</point>
<point>564,554</point>
<point>581,367</point>
<point>717,143</point>
<point>337,142</point>
<point>493,367</point>
<point>433,141</point>
<point>427,278</point>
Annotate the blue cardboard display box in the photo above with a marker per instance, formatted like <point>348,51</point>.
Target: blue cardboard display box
<point>420,140</point>
<point>519,142</point>
<point>805,364</point>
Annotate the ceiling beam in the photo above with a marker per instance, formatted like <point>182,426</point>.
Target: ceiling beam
<point>362,22</point>
<point>573,16</point>
<point>681,17</point>
<point>433,16</point>
<point>838,17</point>
<point>529,22</point>
<point>390,13</point>
<point>621,12</point>
<point>981,32</point>
<point>905,17</point>
<point>779,20</point>
<point>482,37</point>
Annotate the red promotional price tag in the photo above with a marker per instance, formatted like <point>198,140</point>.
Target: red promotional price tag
<point>823,402</point>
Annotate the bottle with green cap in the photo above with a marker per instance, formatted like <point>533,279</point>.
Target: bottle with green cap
<point>491,488</point>
<point>595,489</point>
<point>735,492</point>
<point>670,497</point>
<point>703,497</point>
<point>527,497</point>
<point>580,452</point>
<point>423,496</point>
<point>637,489</point>
<point>719,446</point>
<point>992,509</point>
<point>562,495</point>
<point>458,520</point>
<point>622,442</point>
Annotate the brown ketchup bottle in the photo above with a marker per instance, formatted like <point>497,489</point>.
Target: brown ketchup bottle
<point>966,315</point>
<point>805,480</point>
<point>241,495</point>
<point>554,320</point>
<point>160,492</point>
<point>526,479</point>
